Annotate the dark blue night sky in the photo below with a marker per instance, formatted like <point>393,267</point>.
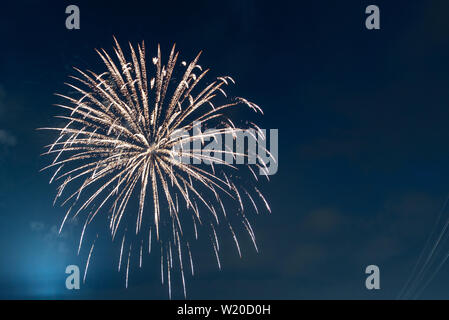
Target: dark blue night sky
<point>363,133</point>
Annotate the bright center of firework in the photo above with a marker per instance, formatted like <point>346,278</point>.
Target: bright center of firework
<point>152,150</point>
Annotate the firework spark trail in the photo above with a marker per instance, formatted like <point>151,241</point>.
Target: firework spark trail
<point>88,260</point>
<point>119,141</point>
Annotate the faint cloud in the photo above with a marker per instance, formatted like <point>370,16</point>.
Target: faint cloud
<point>51,236</point>
<point>7,139</point>
<point>322,220</point>
<point>36,226</point>
<point>380,248</point>
<point>303,259</point>
<point>399,229</point>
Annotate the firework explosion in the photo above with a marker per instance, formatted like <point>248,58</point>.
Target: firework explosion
<point>118,143</point>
